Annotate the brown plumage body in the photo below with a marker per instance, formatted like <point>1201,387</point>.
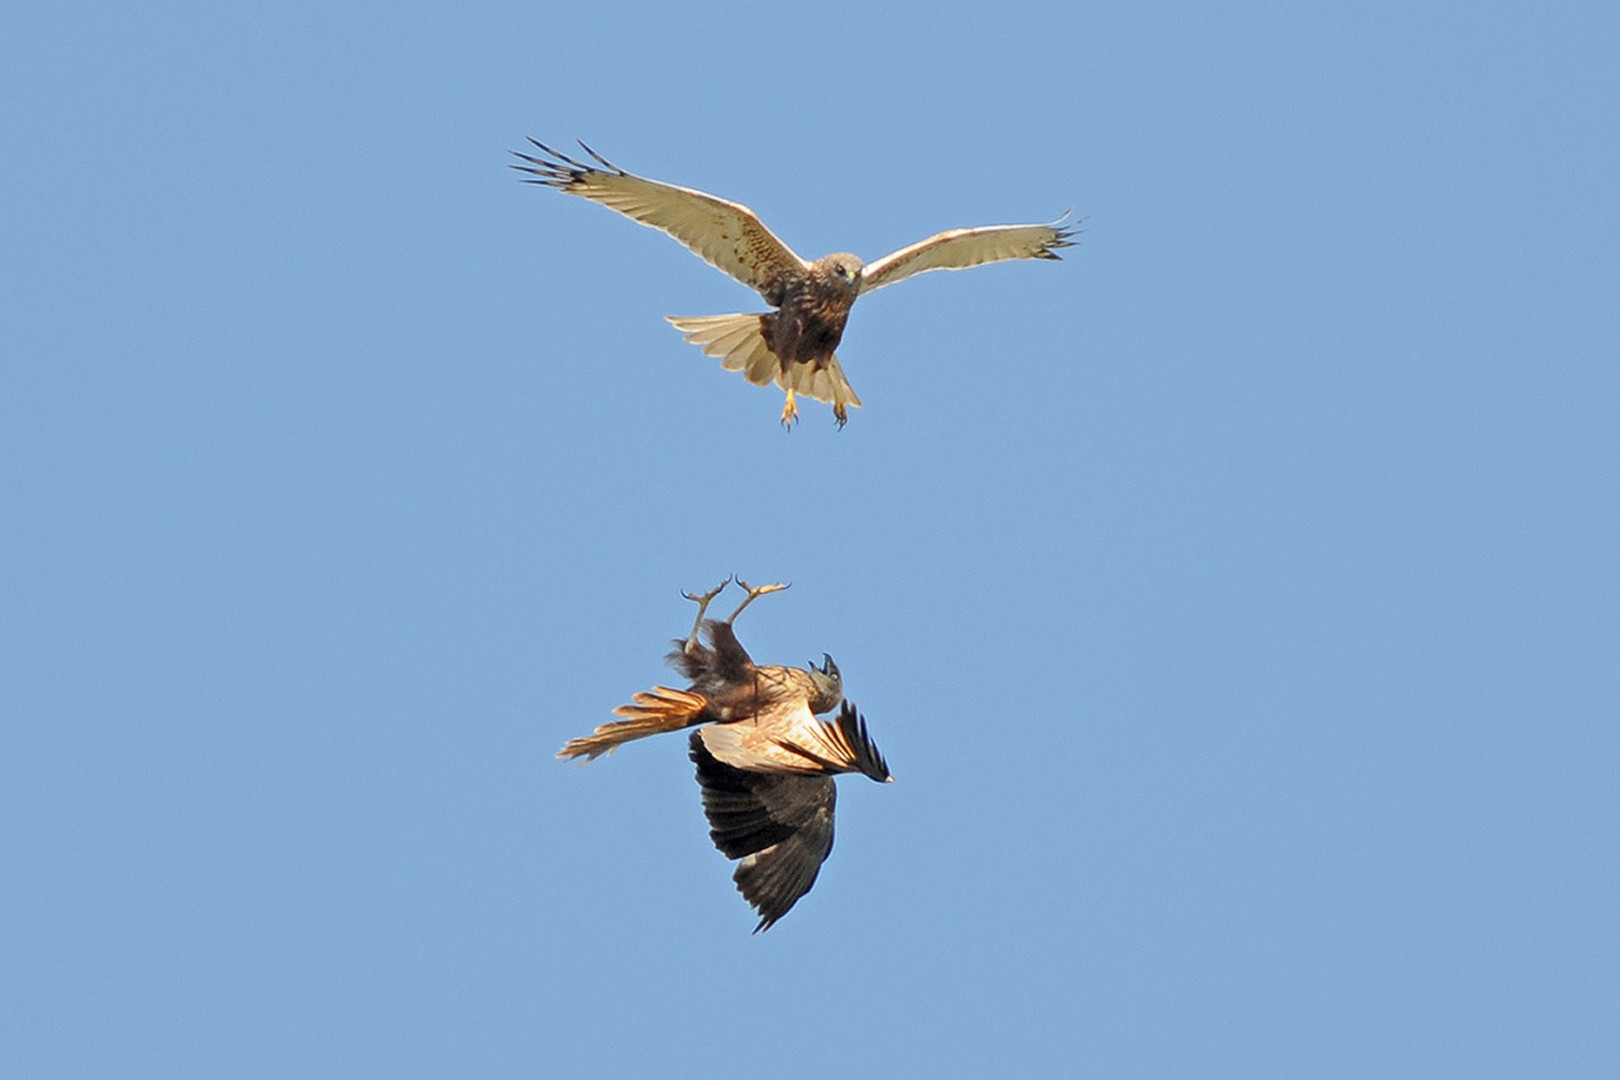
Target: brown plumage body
<point>812,310</point>
<point>764,761</point>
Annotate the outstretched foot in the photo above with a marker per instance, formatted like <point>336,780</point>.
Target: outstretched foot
<point>790,411</point>
<point>702,601</point>
<point>842,414</point>
<point>753,594</point>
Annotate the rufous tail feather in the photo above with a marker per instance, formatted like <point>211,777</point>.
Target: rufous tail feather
<point>650,712</point>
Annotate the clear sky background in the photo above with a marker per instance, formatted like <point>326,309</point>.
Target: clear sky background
<point>1237,601</point>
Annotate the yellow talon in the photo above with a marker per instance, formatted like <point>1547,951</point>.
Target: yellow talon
<point>790,411</point>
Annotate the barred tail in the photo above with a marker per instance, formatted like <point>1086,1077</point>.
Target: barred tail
<point>651,712</point>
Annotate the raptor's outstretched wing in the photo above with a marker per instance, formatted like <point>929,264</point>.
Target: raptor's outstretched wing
<point>728,235</point>
<point>958,249</point>
<point>781,827</point>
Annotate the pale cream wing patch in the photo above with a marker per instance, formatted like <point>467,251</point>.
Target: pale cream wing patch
<point>959,249</point>
<point>756,745</point>
<point>727,235</point>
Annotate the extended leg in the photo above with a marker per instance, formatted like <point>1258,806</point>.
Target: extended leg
<point>703,605</point>
<point>753,594</point>
<point>790,412</point>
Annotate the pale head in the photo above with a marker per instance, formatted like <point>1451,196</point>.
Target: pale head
<point>840,267</point>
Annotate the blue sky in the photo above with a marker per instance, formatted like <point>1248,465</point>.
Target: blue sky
<point>1237,602</point>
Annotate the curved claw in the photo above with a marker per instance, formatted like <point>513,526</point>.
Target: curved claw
<point>761,590</point>
<point>704,598</point>
<point>703,606</point>
<point>754,593</point>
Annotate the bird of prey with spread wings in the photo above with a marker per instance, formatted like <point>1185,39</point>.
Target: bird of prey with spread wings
<point>792,346</point>
<point>764,761</point>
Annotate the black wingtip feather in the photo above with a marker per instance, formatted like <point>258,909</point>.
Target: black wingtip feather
<point>604,162</point>
<point>556,169</point>
<point>1067,233</point>
<point>867,756</point>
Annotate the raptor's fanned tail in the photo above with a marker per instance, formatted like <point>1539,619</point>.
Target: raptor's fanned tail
<point>739,342</point>
<point>651,712</point>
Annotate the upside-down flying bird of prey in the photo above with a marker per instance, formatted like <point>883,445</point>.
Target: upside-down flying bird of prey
<point>765,762</point>
<point>792,346</point>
